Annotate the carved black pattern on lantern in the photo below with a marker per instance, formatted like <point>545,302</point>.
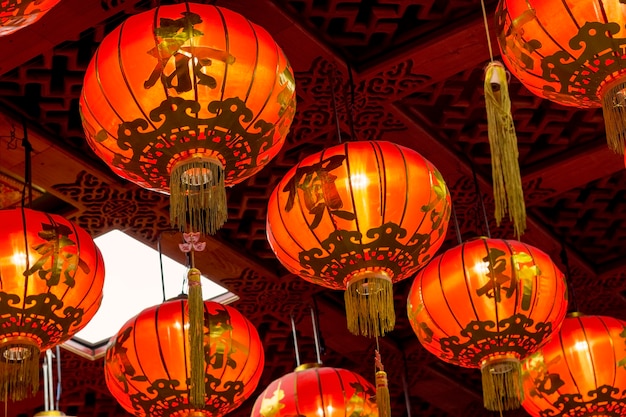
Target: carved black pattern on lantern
<point>319,193</point>
<point>515,334</point>
<point>42,316</point>
<point>239,147</point>
<point>167,397</point>
<point>347,253</point>
<point>606,401</point>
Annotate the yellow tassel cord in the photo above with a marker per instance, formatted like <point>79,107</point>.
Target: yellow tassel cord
<point>383,400</point>
<point>614,109</point>
<point>369,304</point>
<point>507,183</point>
<point>19,369</point>
<point>502,384</point>
<point>198,195</point>
<point>196,340</point>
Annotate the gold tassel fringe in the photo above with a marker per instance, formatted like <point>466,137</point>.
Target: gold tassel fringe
<point>507,182</point>
<point>502,384</point>
<point>369,304</point>
<point>614,110</point>
<point>19,369</point>
<point>196,340</point>
<point>383,400</point>
<point>198,195</point>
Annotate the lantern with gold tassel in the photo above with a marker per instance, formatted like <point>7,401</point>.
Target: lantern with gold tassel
<point>188,99</point>
<point>488,304</point>
<point>569,52</point>
<point>358,217</point>
<point>52,274</point>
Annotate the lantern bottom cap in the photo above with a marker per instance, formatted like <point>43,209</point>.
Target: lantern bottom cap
<point>369,304</point>
<point>502,383</point>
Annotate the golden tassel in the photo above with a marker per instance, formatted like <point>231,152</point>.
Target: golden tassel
<point>369,304</point>
<point>614,111</point>
<point>507,182</point>
<point>198,195</point>
<point>502,384</point>
<point>196,340</point>
<point>19,369</point>
<point>383,400</point>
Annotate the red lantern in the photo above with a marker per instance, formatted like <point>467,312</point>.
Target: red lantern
<point>580,371</point>
<point>316,391</point>
<point>52,275</point>
<point>147,365</point>
<point>187,99</point>
<point>487,304</point>
<point>15,15</point>
<point>358,217</point>
<point>570,52</point>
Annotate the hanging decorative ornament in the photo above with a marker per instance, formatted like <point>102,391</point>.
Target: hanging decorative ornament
<point>52,278</point>
<point>313,390</point>
<point>15,15</point>
<point>571,53</point>
<point>147,364</point>
<point>487,304</point>
<point>358,217</point>
<point>188,99</point>
<point>580,372</point>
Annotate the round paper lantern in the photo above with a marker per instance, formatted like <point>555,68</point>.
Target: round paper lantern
<point>580,371</point>
<point>316,391</point>
<point>488,304</point>
<point>15,15</point>
<point>187,99</point>
<point>51,279</point>
<point>570,52</point>
<point>358,217</point>
<point>147,365</point>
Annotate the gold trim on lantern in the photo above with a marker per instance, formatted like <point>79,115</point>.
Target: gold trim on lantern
<point>369,303</point>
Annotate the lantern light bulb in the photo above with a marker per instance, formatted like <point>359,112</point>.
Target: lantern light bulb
<point>19,259</point>
<point>581,346</point>
<point>359,181</point>
<point>481,268</point>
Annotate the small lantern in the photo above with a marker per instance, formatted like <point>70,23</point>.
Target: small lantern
<point>358,217</point>
<point>488,304</point>
<point>187,99</point>
<point>148,368</point>
<point>51,279</point>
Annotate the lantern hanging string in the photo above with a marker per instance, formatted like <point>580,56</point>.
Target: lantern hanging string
<point>405,384</point>
<point>28,174</point>
<point>383,399</point>
<point>316,336</point>
<point>331,80</point>
<point>481,201</point>
<point>482,4</point>
<point>295,340</point>
<point>459,238</point>
<point>573,305</point>
<point>350,104</point>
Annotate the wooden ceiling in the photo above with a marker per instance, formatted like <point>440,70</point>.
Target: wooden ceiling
<point>417,70</point>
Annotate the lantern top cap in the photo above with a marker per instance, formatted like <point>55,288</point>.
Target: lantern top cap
<point>306,366</point>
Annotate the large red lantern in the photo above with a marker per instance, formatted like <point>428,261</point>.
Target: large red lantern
<point>580,371</point>
<point>187,99</point>
<point>148,367</point>
<point>51,278</point>
<point>15,15</point>
<point>316,391</point>
<point>570,52</point>
<point>488,304</point>
<point>358,217</point>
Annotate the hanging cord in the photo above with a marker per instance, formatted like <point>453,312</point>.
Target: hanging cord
<point>350,104</point>
<point>482,3</point>
<point>161,265</point>
<point>573,306</point>
<point>28,180</point>
<point>405,384</point>
<point>481,201</point>
<point>457,228</point>
<point>316,336</point>
<point>331,80</point>
<point>295,340</point>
